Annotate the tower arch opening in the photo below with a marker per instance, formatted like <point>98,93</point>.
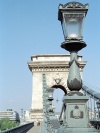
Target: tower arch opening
<point>61,87</point>
<point>59,92</point>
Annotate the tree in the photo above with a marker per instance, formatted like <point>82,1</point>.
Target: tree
<point>5,124</point>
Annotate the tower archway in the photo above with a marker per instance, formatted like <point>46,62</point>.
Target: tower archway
<point>50,65</point>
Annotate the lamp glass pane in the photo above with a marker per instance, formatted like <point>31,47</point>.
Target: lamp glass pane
<point>64,29</point>
<point>51,94</point>
<point>73,28</point>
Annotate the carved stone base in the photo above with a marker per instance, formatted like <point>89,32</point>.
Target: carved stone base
<point>74,85</point>
<point>76,114</point>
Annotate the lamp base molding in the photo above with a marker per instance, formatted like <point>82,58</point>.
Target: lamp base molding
<point>73,45</point>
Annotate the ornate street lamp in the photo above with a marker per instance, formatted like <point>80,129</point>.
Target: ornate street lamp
<point>50,93</point>
<point>72,16</point>
<point>50,99</point>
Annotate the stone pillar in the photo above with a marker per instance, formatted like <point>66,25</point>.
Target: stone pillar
<point>76,110</point>
<point>37,91</point>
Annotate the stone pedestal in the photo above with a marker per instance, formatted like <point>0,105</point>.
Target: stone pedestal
<point>76,114</point>
<point>76,118</point>
<point>36,115</point>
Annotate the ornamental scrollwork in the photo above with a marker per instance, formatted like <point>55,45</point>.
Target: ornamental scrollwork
<point>57,78</point>
<point>71,62</point>
<point>74,5</point>
<point>76,113</point>
<point>78,16</point>
<point>74,84</point>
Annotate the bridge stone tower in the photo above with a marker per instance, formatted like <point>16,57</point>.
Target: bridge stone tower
<point>56,69</point>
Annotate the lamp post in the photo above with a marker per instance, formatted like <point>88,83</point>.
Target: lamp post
<point>50,99</point>
<point>98,107</point>
<point>72,16</point>
<point>22,116</point>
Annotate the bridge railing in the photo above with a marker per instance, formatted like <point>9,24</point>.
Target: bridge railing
<point>95,123</point>
<point>91,92</point>
<point>93,102</point>
<point>20,129</point>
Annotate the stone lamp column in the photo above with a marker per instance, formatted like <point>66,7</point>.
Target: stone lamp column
<point>72,16</point>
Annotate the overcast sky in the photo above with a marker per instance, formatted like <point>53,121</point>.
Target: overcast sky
<point>30,27</point>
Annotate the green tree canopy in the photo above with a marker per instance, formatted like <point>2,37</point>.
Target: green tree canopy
<point>6,123</point>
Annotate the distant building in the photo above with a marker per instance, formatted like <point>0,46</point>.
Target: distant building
<point>36,115</point>
<point>30,117</point>
<point>27,116</point>
<point>9,113</point>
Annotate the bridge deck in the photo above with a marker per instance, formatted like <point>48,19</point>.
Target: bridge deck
<point>35,129</point>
